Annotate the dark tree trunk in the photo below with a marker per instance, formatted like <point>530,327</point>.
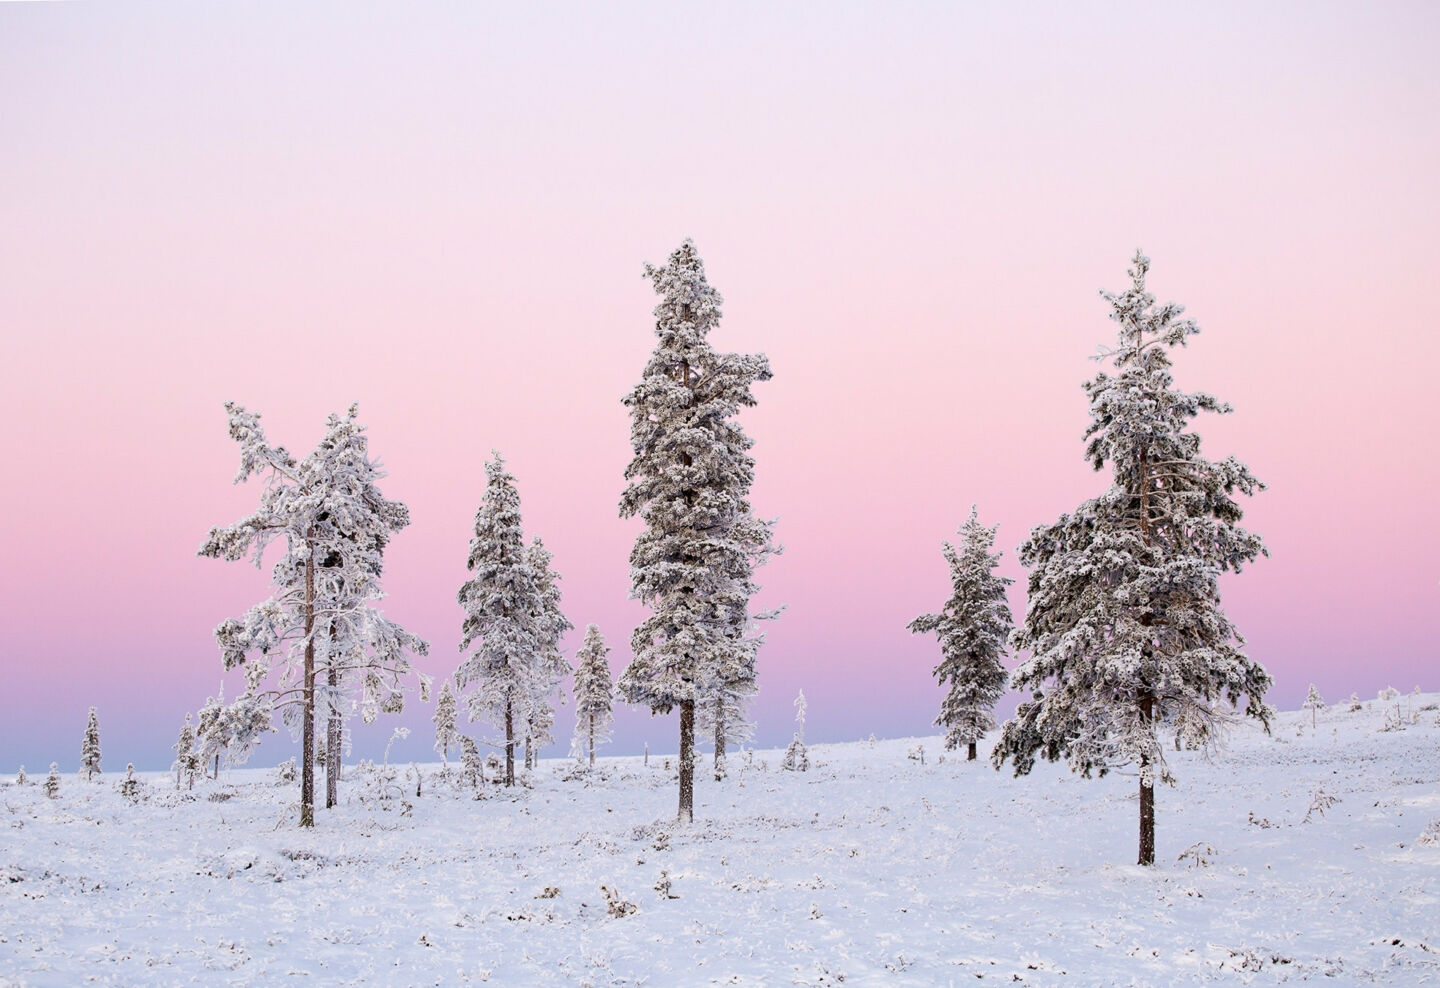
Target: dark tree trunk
<point>509,743</point>
<point>971,756</point>
<point>1147,796</point>
<point>592,740</point>
<point>719,739</point>
<point>307,734</point>
<point>687,762</point>
<point>217,771</point>
<point>332,736</point>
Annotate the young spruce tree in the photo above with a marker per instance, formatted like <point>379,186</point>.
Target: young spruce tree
<point>972,630</point>
<point>1124,623</point>
<point>318,633</point>
<point>444,720</point>
<point>689,480</point>
<point>592,694</point>
<point>550,663</point>
<point>500,604</point>
<point>90,748</point>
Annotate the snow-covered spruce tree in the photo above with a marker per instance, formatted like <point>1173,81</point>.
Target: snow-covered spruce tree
<point>444,719</point>
<point>90,747</point>
<point>318,634</point>
<point>550,663</point>
<point>1124,623</point>
<point>1313,702</point>
<point>797,759</point>
<point>689,481</point>
<point>21,779</point>
<point>499,601</point>
<point>592,694</point>
<point>972,630</point>
<point>52,782</point>
<point>187,761</point>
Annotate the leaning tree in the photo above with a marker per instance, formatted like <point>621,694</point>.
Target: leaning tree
<point>1124,623</point>
<point>689,481</point>
<point>320,621</point>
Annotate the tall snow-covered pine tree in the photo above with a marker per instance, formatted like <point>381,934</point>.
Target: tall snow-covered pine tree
<point>1124,623</point>
<point>972,630</point>
<point>90,748</point>
<point>689,481</point>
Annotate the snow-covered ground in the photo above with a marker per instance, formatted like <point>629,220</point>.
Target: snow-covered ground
<point>871,868</point>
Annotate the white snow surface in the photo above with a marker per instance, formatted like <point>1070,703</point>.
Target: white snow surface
<point>871,868</point>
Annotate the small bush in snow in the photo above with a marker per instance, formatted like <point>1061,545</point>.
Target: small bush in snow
<point>52,782</point>
<point>1431,833</point>
<point>663,885</point>
<point>285,772</point>
<point>1319,803</point>
<point>1355,703</point>
<point>21,779</point>
<point>614,904</point>
<point>916,754</point>
<point>130,786</point>
<point>796,759</point>
<point>1198,854</point>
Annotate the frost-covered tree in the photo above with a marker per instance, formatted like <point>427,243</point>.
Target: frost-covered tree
<point>318,636</point>
<point>187,760</point>
<point>130,786</point>
<point>550,664</point>
<point>21,779</point>
<point>52,782</point>
<point>500,607</point>
<point>797,759</point>
<point>972,629</point>
<point>90,747</point>
<point>1313,702</point>
<point>472,767</point>
<point>444,720</point>
<point>593,691</point>
<point>1124,623</point>
<point>689,481</point>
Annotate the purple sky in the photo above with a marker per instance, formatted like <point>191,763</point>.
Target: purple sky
<point>442,213</point>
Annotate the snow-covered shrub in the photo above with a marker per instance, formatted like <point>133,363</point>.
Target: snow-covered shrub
<point>614,904</point>
<point>1319,803</point>
<point>21,779</point>
<point>796,757</point>
<point>1387,694</point>
<point>1431,833</point>
<point>52,782</point>
<point>1198,854</point>
<point>187,760</point>
<point>129,786</point>
<point>1355,704</point>
<point>286,772</point>
<point>916,754</point>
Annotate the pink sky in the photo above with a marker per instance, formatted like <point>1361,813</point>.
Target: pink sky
<point>443,216</point>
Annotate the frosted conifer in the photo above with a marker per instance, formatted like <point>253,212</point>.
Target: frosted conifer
<point>972,630</point>
<point>90,748</point>
<point>1124,623</point>
<point>472,768</point>
<point>549,662</point>
<point>52,782</point>
<point>318,635</point>
<point>1313,702</point>
<point>444,720</point>
<point>689,481</point>
<point>187,760</point>
<point>797,758</point>
<point>130,786</point>
<point>593,690</point>
<point>499,601</point>
<point>21,779</point>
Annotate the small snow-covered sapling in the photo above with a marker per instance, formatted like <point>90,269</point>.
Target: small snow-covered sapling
<point>52,782</point>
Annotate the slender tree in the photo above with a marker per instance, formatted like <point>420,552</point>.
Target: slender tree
<point>972,629</point>
<point>90,748</point>
<point>1124,622</point>
<point>499,601</point>
<point>445,731</point>
<point>1314,702</point>
<point>550,664</point>
<point>689,479</point>
<point>52,782</point>
<point>593,690</point>
<point>318,634</point>
<point>186,760</point>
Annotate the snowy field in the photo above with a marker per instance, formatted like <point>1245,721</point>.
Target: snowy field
<point>871,868</point>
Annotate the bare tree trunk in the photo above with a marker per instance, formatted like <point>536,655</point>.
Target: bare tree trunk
<point>719,739</point>
<point>509,743</point>
<point>307,736</point>
<point>1147,796</point>
<point>215,776</point>
<point>332,736</point>
<point>592,740</point>
<point>687,762</point>
<point>971,756</point>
